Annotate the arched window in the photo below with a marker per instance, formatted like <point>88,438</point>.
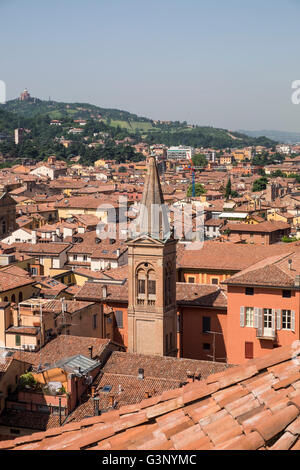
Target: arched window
<point>141,283</point>
<point>13,298</point>
<point>5,299</point>
<point>151,282</point>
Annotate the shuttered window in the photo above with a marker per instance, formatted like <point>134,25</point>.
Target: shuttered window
<point>286,319</point>
<point>249,316</point>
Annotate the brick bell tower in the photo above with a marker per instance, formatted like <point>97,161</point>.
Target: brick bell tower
<point>152,316</point>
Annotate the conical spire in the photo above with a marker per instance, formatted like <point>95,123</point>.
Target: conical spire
<point>153,215</point>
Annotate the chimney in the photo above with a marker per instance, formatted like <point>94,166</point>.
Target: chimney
<point>112,400</point>
<point>141,374</point>
<point>93,391</point>
<point>118,253</point>
<point>91,351</point>
<point>147,395</point>
<point>104,292</point>
<point>96,406</point>
<point>290,263</point>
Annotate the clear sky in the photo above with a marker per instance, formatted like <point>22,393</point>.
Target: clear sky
<point>212,62</point>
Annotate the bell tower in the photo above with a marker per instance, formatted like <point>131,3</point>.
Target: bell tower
<point>152,316</point>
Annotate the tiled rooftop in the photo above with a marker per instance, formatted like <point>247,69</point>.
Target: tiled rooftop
<point>249,407</point>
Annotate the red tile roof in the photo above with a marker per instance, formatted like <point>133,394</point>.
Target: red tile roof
<point>248,407</point>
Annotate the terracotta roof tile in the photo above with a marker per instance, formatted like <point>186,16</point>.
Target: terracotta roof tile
<point>251,441</point>
<point>285,442</point>
<point>271,426</point>
<point>239,408</point>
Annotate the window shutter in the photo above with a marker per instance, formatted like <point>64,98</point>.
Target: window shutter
<point>273,322</point>
<point>278,319</point>
<point>260,322</point>
<point>293,320</point>
<point>256,314</point>
<point>248,350</point>
<point>242,317</point>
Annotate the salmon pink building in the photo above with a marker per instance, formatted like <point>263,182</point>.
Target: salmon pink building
<point>263,308</point>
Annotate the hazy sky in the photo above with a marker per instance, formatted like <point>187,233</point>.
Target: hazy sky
<point>216,62</point>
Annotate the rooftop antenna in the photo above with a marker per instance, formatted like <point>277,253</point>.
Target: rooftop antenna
<point>214,333</point>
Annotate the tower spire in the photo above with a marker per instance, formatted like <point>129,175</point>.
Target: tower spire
<point>153,215</point>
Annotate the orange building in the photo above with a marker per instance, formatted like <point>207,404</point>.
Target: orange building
<point>263,308</point>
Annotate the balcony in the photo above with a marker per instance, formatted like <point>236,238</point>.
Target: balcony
<point>266,334</point>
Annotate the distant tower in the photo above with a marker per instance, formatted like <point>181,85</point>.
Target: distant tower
<point>18,135</point>
<point>25,96</point>
<point>152,317</point>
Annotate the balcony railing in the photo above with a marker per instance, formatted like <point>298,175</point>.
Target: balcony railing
<point>261,333</point>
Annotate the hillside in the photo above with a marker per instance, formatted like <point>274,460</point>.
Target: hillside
<point>126,123</point>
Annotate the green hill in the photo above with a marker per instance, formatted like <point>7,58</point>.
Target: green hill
<point>103,128</point>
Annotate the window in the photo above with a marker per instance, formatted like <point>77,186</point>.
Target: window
<point>286,319</point>
<point>215,280</point>
<point>248,350</point>
<point>141,286</point>
<point>95,321</point>
<point>20,296</point>
<point>74,257</point>
<point>267,318</point>
<point>286,293</point>
<point>33,271</point>
<point>18,340</point>
<point>13,298</point>
<point>205,324</point>
<point>151,287</point>
<point>119,318</point>
<point>191,280</point>
<point>249,291</point>
<point>250,316</point>
<point>206,346</point>
<point>84,257</point>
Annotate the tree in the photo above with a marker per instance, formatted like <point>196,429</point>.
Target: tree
<point>228,189</point>
<point>199,160</point>
<point>199,189</point>
<point>122,169</point>
<point>260,184</point>
<point>277,173</point>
